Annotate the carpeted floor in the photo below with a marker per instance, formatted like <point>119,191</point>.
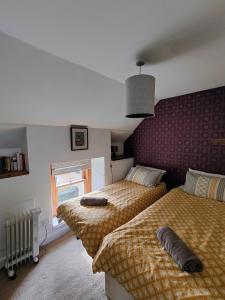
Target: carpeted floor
<point>64,272</point>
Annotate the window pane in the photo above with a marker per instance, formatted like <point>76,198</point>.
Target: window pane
<point>68,177</point>
<point>67,188</point>
<point>70,191</point>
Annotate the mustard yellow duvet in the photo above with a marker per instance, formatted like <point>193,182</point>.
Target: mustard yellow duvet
<point>133,255</point>
<point>92,224</point>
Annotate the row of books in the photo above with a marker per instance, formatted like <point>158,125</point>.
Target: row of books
<point>12,163</point>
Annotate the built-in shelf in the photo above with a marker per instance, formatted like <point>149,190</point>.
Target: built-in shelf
<point>118,151</point>
<point>13,151</point>
<point>13,174</point>
<point>118,157</point>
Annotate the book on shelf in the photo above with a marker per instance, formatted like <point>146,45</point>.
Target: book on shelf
<point>12,163</point>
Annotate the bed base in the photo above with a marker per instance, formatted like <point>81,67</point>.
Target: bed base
<point>114,290</point>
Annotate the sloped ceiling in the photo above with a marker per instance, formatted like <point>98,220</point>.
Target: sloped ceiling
<point>182,41</point>
<point>42,89</point>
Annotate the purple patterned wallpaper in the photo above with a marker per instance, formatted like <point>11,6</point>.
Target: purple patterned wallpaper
<point>182,134</point>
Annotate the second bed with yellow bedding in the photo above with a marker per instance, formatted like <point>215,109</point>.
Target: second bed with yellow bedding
<point>133,255</point>
<point>125,200</point>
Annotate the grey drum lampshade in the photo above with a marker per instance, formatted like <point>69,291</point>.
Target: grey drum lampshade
<point>140,96</point>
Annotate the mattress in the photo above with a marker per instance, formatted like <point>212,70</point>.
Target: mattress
<point>125,200</point>
<point>134,257</point>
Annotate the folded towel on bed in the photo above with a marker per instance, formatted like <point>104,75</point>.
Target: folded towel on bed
<point>180,252</point>
<point>93,201</point>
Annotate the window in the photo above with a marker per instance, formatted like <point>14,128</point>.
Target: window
<point>69,185</point>
<point>69,180</point>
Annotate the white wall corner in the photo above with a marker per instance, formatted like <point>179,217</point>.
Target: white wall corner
<point>120,168</point>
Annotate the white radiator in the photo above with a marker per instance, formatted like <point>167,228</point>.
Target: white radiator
<point>21,240</point>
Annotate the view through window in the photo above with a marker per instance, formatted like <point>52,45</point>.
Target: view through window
<point>69,186</point>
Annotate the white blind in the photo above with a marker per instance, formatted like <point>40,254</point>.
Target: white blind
<point>68,167</point>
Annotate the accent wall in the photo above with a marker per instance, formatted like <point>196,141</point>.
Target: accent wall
<point>186,132</point>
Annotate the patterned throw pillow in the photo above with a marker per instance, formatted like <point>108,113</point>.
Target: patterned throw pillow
<point>205,186</point>
<point>143,176</point>
<point>205,174</point>
<point>162,172</point>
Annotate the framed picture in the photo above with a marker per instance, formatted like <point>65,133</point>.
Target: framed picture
<point>79,138</point>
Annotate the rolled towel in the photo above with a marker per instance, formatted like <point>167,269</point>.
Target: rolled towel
<point>93,201</point>
<point>180,252</point>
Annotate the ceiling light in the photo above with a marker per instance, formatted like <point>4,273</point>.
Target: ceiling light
<point>140,95</point>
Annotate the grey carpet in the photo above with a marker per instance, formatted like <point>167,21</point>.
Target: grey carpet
<point>64,272</point>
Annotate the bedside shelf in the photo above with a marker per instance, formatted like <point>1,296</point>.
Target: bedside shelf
<point>119,157</point>
<point>13,174</point>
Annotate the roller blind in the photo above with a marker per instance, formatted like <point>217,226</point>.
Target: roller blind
<point>68,167</point>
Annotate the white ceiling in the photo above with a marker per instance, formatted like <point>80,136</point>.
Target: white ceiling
<point>183,40</point>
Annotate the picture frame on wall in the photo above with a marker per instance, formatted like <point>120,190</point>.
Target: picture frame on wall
<point>79,138</point>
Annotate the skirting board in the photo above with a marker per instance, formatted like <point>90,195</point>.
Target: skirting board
<point>114,290</point>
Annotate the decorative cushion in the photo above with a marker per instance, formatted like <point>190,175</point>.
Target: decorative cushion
<point>207,174</point>
<point>155,169</point>
<point>205,186</point>
<point>143,176</point>
<point>130,174</point>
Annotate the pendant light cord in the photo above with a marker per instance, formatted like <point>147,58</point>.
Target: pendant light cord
<point>139,64</point>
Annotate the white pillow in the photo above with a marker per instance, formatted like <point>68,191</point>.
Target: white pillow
<point>130,174</point>
<point>205,173</point>
<point>143,176</point>
<point>162,172</point>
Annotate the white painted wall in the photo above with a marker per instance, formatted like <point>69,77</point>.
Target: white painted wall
<point>98,173</point>
<point>47,144</point>
<point>120,168</point>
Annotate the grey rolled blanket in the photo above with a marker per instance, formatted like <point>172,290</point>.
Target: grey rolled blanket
<point>93,201</point>
<point>180,252</point>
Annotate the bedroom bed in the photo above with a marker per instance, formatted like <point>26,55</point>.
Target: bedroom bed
<point>125,200</point>
<point>136,265</point>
